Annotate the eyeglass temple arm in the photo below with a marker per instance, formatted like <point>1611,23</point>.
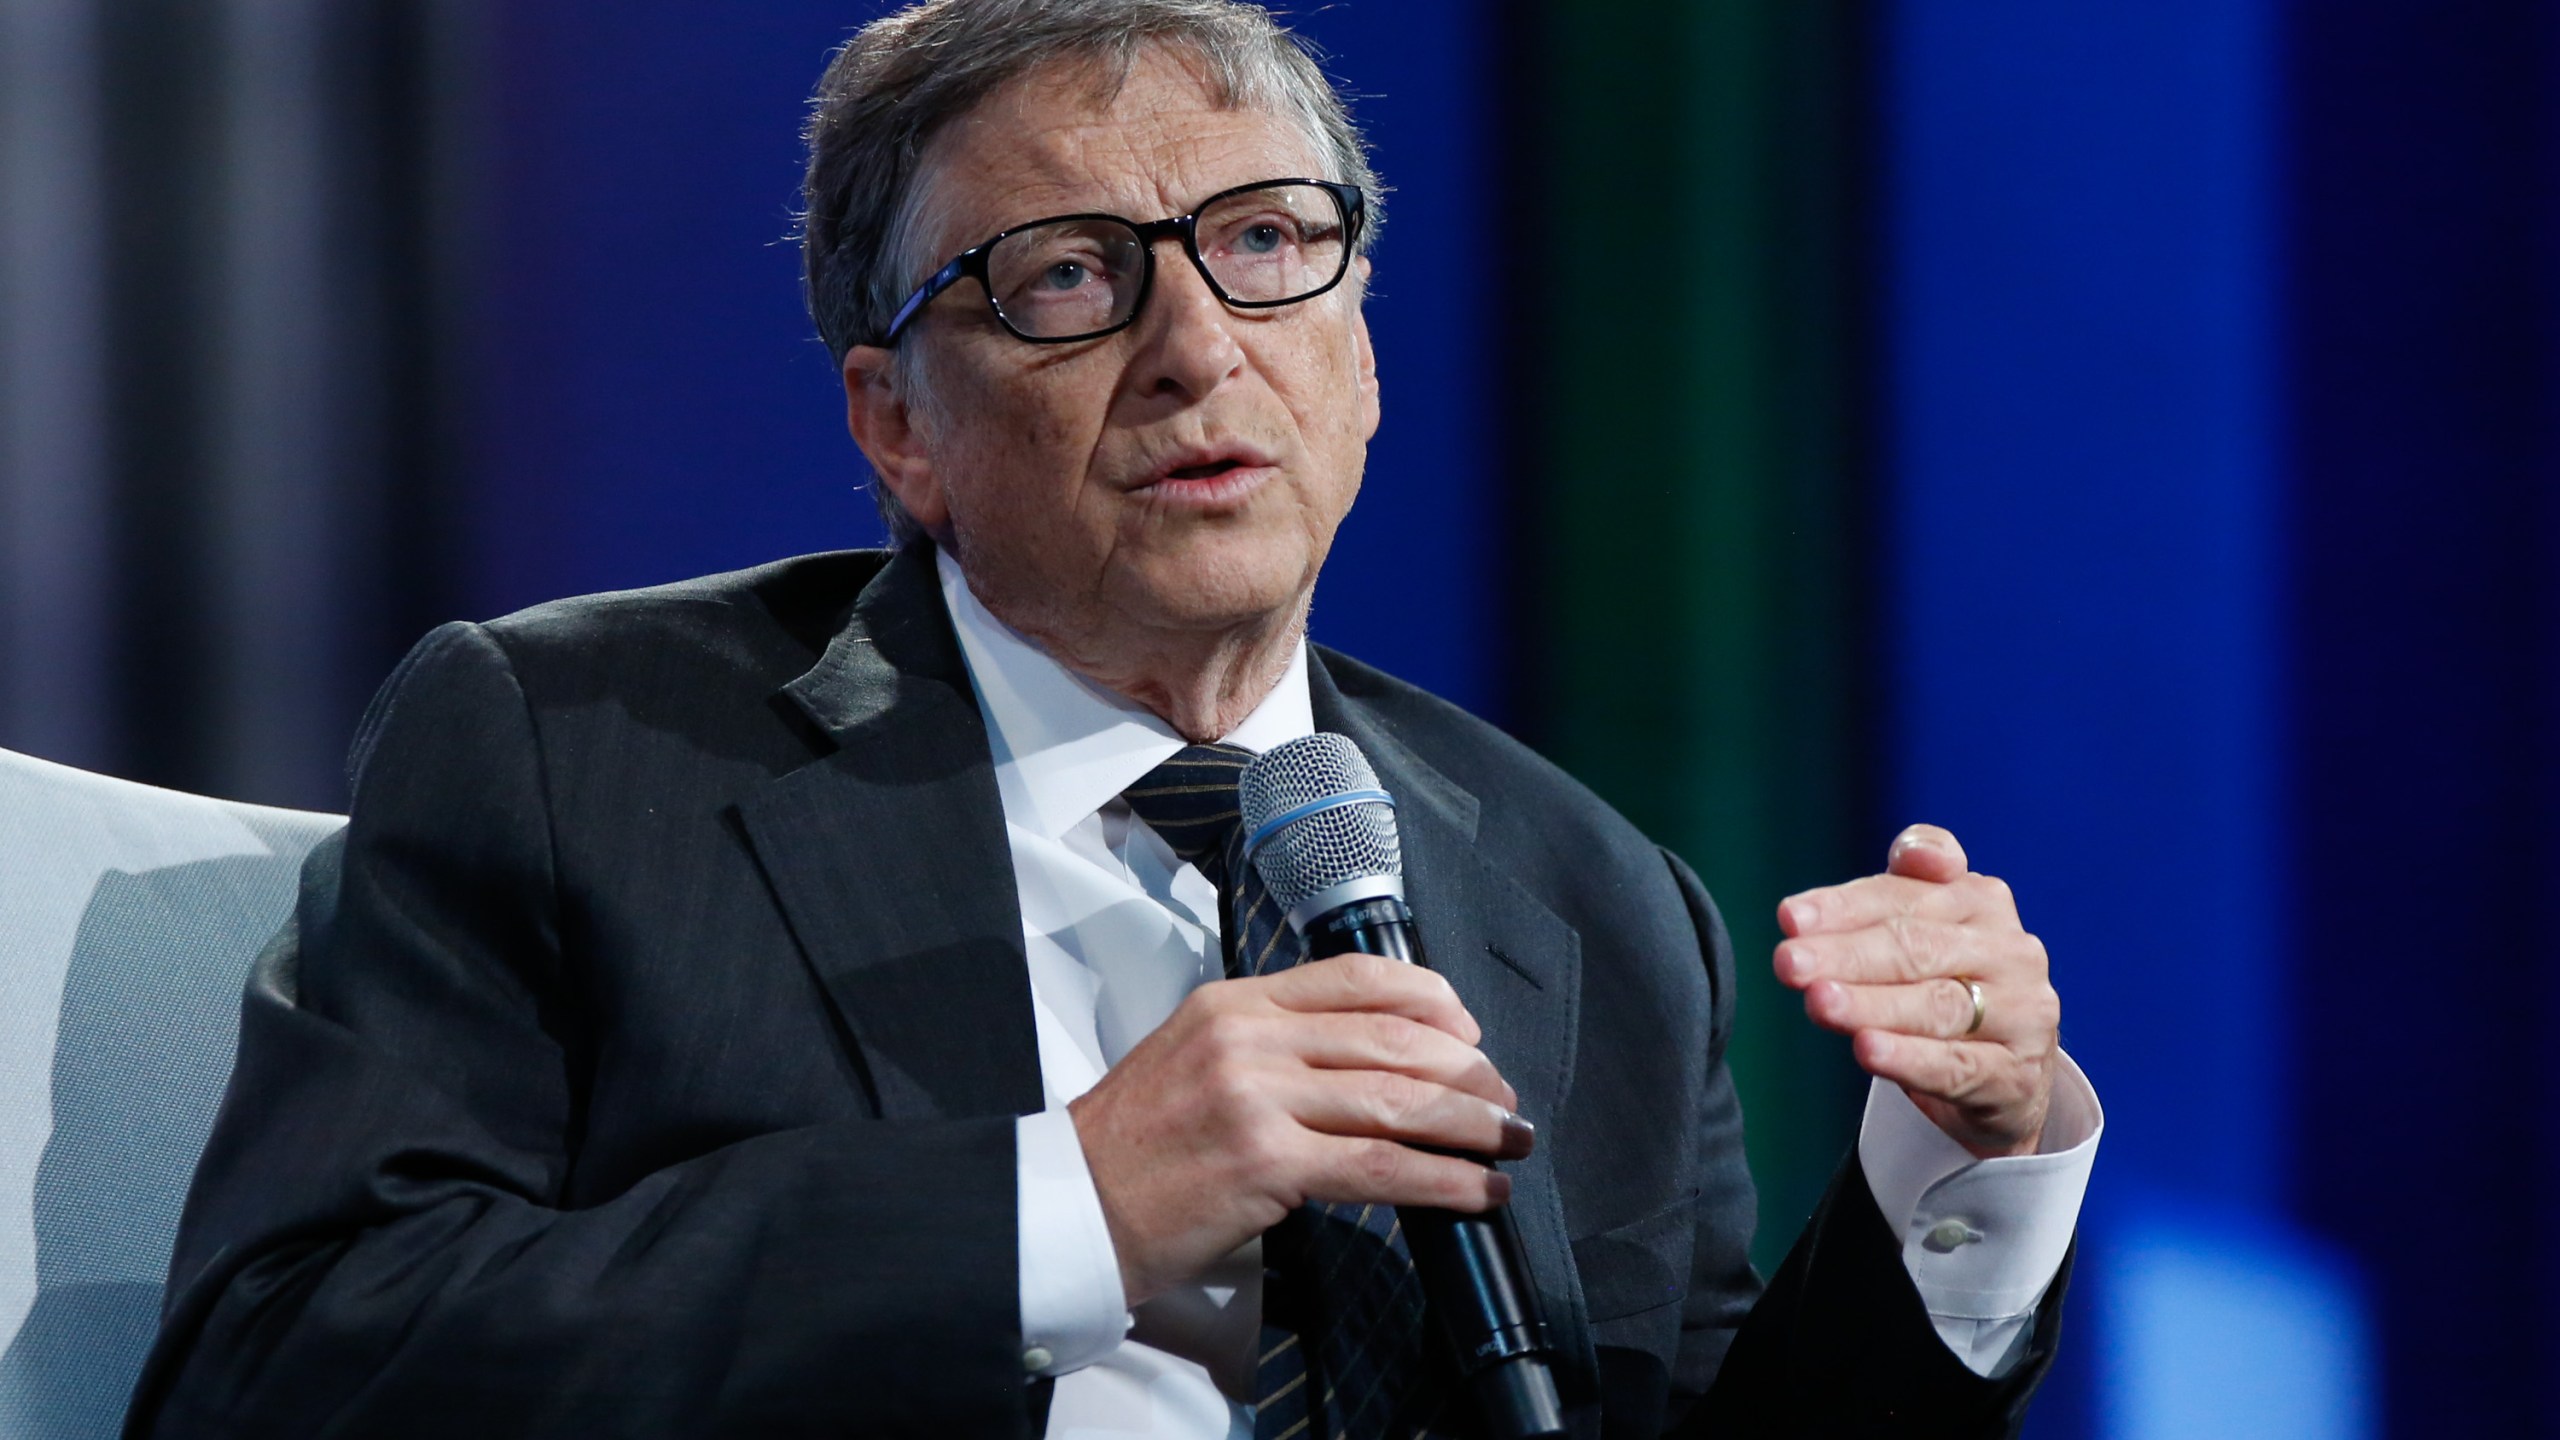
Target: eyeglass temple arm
<point>943,279</point>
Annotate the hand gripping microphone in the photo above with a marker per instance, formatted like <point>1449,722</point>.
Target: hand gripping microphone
<point>1323,837</point>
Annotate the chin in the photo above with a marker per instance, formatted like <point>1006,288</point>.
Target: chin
<point>1207,590</point>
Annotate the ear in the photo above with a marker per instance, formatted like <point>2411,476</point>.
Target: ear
<point>884,425</point>
<point>1367,358</point>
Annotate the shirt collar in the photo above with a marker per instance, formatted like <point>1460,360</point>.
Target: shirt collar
<point>1065,746</point>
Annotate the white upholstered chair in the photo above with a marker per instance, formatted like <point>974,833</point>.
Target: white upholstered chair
<point>128,920</point>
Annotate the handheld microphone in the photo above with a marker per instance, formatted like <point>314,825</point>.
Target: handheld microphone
<point>1322,835</point>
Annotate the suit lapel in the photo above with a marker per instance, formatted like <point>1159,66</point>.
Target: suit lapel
<point>888,857</point>
<point>1516,965</point>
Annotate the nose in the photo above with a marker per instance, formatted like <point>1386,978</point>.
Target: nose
<point>1186,339</point>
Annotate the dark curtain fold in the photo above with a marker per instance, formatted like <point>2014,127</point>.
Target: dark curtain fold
<point>228,319</point>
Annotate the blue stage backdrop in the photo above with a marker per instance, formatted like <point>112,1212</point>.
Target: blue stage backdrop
<point>2087,477</point>
<point>652,401</point>
<point>2221,339</point>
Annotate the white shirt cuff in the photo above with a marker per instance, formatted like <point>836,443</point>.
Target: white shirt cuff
<point>1073,1310</point>
<point>1982,1239</point>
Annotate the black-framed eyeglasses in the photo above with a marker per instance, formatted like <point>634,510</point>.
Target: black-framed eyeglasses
<point>1080,277</point>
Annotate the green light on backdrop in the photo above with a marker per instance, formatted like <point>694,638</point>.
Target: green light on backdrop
<point>1697,508</point>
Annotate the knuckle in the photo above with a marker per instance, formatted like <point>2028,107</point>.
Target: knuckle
<point>1396,1100</point>
<point>1229,1091</point>
<point>1370,972</point>
<point>1393,1039</point>
<point>1954,1007</point>
<point>1429,987</point>
<point>1966,1073</point>
<point>1194,1017</point>
<point>1227,1048</point>
<point>1378,1164</point>
<point>1226,1036</point>
<point>1897,928</point>
<point>1995,891</point>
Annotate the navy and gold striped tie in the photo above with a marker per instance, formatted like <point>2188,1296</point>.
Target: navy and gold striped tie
<point>1344,1349</point>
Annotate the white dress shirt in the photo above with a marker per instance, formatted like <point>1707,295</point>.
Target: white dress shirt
<point>1117,930</point>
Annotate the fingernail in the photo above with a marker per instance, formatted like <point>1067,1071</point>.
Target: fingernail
<point>1497,1187</point>
<point>1519,1137</point>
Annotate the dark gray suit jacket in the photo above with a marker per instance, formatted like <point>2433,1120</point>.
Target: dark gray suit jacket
<point>646,1062</point>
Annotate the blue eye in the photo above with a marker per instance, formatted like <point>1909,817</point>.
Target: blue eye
<point>1065,275</point>
<point>1261,239</point>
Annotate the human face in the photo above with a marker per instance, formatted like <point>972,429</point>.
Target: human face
<point>1184,474</point>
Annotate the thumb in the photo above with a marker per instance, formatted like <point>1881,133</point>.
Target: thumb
<point>1926,852</point>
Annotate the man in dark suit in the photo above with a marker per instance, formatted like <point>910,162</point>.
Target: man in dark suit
<point>767,1005</point>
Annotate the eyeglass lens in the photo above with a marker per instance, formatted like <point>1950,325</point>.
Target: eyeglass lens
<point>1266,246</point>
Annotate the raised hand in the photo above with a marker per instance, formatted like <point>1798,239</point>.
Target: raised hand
<point>1941,990</point>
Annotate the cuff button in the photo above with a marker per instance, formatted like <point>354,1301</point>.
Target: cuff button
<point>1947,1235</point>
<point>1037,1359</point>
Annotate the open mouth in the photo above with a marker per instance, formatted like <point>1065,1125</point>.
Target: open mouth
<point>1217,474</point>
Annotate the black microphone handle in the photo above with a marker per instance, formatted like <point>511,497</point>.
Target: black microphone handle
<point>1470,1265</point>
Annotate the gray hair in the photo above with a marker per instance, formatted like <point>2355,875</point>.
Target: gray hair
<point>901,79</point>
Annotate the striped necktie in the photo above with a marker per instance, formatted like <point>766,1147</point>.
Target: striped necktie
<point>1345,1353</point>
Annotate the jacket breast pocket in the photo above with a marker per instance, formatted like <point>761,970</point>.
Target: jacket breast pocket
<point>1635,1275</point>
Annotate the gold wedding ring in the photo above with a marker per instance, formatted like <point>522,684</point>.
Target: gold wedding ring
<point>1973,988</point>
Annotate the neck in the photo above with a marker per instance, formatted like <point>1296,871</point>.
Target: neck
<point>1203,683</point>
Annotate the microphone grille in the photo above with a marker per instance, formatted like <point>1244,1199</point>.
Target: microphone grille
<point>1309,856</point>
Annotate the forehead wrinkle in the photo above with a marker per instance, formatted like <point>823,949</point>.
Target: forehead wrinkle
<point>1061,142</point>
